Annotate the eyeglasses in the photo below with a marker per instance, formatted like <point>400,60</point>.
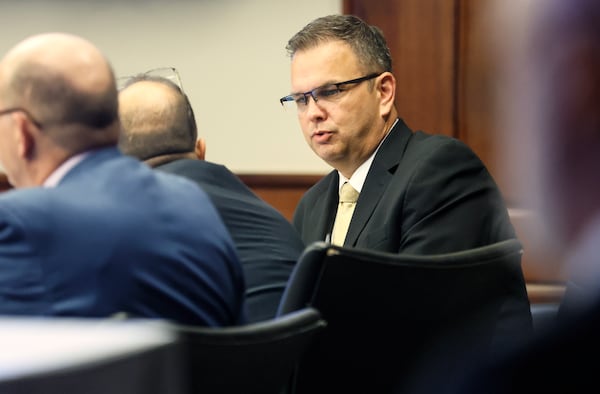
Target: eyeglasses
<point>169,73</point>
<point>18,109</point>
<point>327,93</point>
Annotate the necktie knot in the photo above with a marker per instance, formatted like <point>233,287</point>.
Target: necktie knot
<point>348,194</point>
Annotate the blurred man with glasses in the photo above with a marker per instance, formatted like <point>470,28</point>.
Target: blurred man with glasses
<point>267,243</point>
<point>88,231</point>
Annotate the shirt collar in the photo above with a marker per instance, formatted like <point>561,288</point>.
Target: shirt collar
<point>357,180</point>
<point>58,174</point>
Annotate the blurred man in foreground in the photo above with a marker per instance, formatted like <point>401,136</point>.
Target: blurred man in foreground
<point>87,231</point>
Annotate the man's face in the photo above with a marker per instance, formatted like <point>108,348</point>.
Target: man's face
<point>343,130</point>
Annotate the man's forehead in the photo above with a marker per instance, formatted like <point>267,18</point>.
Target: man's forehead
<point>330,62</point>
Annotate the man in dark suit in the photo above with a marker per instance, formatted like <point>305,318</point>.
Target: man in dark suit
<point>267,243</point>
<point>87,231</point>
<point>419,193</point>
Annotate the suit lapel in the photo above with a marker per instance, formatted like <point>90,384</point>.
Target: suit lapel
<point>324,207</point>
<point>330,201</point>
<point>382,169</point>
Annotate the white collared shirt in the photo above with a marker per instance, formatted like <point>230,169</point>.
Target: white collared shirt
<point>357,180</point>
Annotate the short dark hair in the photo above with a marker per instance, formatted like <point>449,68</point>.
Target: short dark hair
<point>367,41</point>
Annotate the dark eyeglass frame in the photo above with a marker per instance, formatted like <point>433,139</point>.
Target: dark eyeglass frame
<point>19,109</point>
<point>323,91</point>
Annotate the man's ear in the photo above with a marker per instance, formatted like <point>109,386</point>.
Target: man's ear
<point>200,148</point>
<point>387,90</point>
<point>25,137</point>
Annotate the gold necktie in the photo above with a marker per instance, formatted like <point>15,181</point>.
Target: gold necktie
<point>348,197</point>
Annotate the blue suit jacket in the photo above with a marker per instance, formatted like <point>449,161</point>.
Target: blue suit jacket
<point>115,236</point>
<point>267,243</point>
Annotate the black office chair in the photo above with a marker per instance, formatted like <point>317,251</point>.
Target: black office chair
<point>390,317</point>
<point>256,358</point>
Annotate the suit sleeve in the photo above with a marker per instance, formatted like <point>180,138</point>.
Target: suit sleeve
<point>452,203</point>
<point>21,291</point>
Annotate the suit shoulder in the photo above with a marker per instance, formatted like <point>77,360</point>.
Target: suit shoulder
<point>433,144</point>
<point>179,185</point>
<point>422,137</point>
<point>201,171</point>
<point>194,163</point>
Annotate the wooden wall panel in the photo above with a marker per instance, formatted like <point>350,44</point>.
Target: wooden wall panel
<point>281,191</point>
<point>473,95</point>
<point>476,122</point>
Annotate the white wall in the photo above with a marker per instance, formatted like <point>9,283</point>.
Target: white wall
<point>230,54</point>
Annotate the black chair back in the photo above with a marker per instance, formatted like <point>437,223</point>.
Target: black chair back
<point>256,358</point>
<point>391,315</point>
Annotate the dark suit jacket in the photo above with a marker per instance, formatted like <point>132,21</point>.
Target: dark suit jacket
<point>424,194</point>
<point>115,236</point>
<point>267,243</point>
